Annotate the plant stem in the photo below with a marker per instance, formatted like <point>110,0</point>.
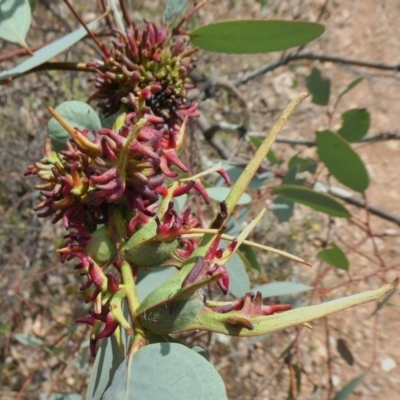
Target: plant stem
<point>139,339</point>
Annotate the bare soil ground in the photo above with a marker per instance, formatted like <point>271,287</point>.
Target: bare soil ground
<point>38,298</point>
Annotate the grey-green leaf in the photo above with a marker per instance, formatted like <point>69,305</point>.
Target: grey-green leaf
<point>60,396</point>
<point>107,361</point>
<point>303,164</point>
<point>239,282</point>
<point>173,9</point>
<point>153,280</point>
<point>79,115</point>
<point>342,161</point>
<point>319,87</point>
<point>15,20</point>
<point>221,193</point>
<point>167,371</point>
<point>28,340</point>
<point>355,124</point>
<point>254,36</point>
<point>281,288</point>
<point>346,391</point>
<point>335,256</point>
<point>47,52</point>
<point>308,197</point>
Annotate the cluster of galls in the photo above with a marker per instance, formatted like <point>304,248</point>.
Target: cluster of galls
<point>143,79</point>
<point>145,70</point>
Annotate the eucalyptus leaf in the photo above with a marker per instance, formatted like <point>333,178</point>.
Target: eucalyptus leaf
<point>254,36</point>
<point>275,289</point>
<point>28,340</point>
<point>167,371</point>
<point>319,87</point>
<point>335,256</point>
<point>15,20</point>
<point>173,9</point>
<point>249,257</point>
<point>355,124</point>
<point>239,282</point>
<point>47,52</point>
<point>108,359</point>
<point>60,396</point>
<point>352,85</point>
<point>303,164</point>
<point>220,194</point>
<point>308,197</point>
<point>349,388</point>
<point>342,161</point>
<point>76,113</point>
<point>154,279</point>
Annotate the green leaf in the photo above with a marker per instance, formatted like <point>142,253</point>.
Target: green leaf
<point>173,9</point>
<point>28,340</point>
<point>349,388</point>
<point>351,86</point>
<point>319,87</point>
<point>107,361</point>
<point>275,289</point>
<point>249,257</point>
<point>79,115</point>
<point>308,197</point>
<point>47,52</point>
<point>220,194</point>
<point>254,36</point>
<point>239,282</point>
<point>15,20</point>
<point>342,161</point>
<point>167,371</point>
<point>335,256</point>
<point>303,164</point>
<point>271,156</point>
<point>355,124</point>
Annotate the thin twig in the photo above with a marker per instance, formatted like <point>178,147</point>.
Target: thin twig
<point>311,56</point>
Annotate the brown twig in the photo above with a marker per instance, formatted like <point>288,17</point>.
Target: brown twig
<point>286,59</point>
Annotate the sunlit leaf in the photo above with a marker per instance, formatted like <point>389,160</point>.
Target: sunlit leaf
<point>254,36</point>
<point>342,161</point>
<point>355,124</point>
<point>335,256</point>
<point>271,156</point>
<point>167,371</point>
<point>308,197</point>
<point>274,289</point>
<point>348,389</point>
<point>15,20</point>
<point>79,115</point>
<point>319,87</point>
<point>47,52</point>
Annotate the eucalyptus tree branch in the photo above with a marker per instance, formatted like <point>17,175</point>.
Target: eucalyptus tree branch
<point>344,195</point>
<point>285,59</point>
